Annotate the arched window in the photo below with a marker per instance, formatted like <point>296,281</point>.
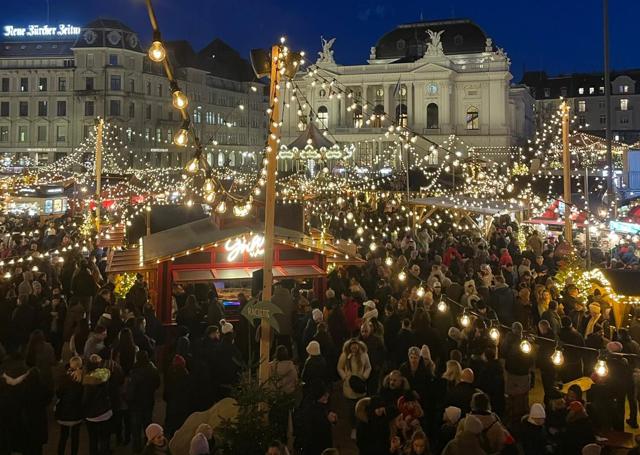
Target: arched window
<point>473,119</point>
<point>358,119</point>
<point>220,159</point>
<point>378,116</point>
<point>432,116</point>
<point>323,117</point>
<point>232,159</point>
<point>402,118</point>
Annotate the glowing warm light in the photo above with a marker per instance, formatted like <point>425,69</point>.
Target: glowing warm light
<point>525,346</point>
<point>181,138</point>
<point>494,334</point>
<point>193,165</point>
<point>388,261</point>
<point>442,307</point>
<point>557,358</point>
<point>222,207</point>
<point>373,246</point>
<point>420,291</point>
<point>179,100</point>
<point>402,276</point>
<point>601,368</point>
<point>157,52</point>
<point>465,320</point>
<point>254,247</point>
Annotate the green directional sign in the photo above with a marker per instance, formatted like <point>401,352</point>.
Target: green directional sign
<point>262,310</point>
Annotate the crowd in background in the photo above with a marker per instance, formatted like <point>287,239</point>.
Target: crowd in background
<point>408,341</point>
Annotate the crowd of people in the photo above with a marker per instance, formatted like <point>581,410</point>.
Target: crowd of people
<point>422,349</point>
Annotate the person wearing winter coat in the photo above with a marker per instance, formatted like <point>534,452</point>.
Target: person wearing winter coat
<point>157,443</point>
<point>68,408</point>
<point>39,354</point>
<point>373,426</point>
<point>284,379</point>
<point>24,398</point>
<point>467,440</point>
<point>354,369</point>
<point>177,394</point>
<point>315,368</point>
<point>314,420</point>
<point>495,435</point>
<point>460,395</point>
<point>140,396</point>
<point>97,405</point>
<point>533,433</point>
<point>579,430</point>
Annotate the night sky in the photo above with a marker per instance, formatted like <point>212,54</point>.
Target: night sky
<point>554,35</point>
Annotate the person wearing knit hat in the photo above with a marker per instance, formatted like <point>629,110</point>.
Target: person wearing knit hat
<point>206,430</point>
<point>313,348</point>
<point>199,445</point>
<point>594,318</point>
<point>179,361</point>
<point>472,424</point>
<point>369,305</point>
<point>467,376</point>
<point>225,327</point>
<point>591,449</point>
<point>614,346</point>
<point>452,414</point>
<point>156,442</point>
<point>536,414</point>
<point>316,315</point>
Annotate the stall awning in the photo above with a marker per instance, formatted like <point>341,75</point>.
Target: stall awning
<point>184,276</point>
<point>121,261</point>
<point>487,206</point>
<point>285,271</point>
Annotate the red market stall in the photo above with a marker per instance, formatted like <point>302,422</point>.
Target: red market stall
<point>203,253</point>
<point>554,216</point>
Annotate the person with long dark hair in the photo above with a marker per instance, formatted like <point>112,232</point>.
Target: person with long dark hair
<point>39,354</point>
<point>68,408</point>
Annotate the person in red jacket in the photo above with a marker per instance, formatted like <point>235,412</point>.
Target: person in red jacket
<point>351,309</point>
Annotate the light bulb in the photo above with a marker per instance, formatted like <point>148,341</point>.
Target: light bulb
<point>557,358</point>
<point>208,186</point>
<point>420,291</point>
<point>350,216</point>
<point>157,52</point>
<point>181,138</point>
<point>222,207</point>
<point>442,307</point>
<point>525,346</point>
<point>179,99</point>
<point>601,368</point>
<point>360,231</point>
<point>494,334</point>
<point>373,246</point>
<point>402,276</point>
<point>465,320</point>
<point>210,197</point>
<point>388,261</point>
<point>7,275</point>
<point>193,165</point>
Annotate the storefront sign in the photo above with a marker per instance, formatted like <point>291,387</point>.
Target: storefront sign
<point>236,248</point>
<point>41,30</point>
<point>262,310</point>
<point>627,228</point>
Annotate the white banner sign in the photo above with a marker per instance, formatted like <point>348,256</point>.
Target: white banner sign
<point>42,30</point>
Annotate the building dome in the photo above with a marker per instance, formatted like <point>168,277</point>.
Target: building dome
<point>108,33</point>
<point>408,42</point>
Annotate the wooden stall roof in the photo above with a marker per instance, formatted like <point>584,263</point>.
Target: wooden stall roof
<point>474,205</point>
<point>111,236</point>
<point>126,260</point>
<point>204,233</point>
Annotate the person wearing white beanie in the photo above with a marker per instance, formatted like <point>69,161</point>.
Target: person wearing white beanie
<point>156,442</point>
<point>199,445</point>
<point>591,449</point>
<point>313,348</point>
<point>316,315</point>
<point>452,414</point>
<point>225,326</point>
<point>537,415</point>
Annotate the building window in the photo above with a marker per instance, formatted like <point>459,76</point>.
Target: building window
<point>88,83</point>
<point>147,134</point>
<point>116,83</point>
<point>380,92</point>
<point>5,84</point>
<point>601,105</point>
<point>592,90</point>
<point>42,84</point>
<point>89,108</point>
<point>147,109</point>
<point>582,121</point>
<point>4,109</point>
<point>624,104</point>
<point>197,116</point>
<point>86,131</point>
<point>158,135</point>
<point>358,118</point>
<point>90,61</point>
<point>23,108</point>
<point>603,119</point>
<point>22,133</point>
<point>581,91</point>
<point>582,106</point>
<point>129,133</point>
<point>132,110</point>
<point>132,85</point>
<point>624,120</point>
<point>208,117</point>
<point>61,133</point>
<point>42,108</point>
<point>601,90</point>
<point>62,84</point>
<point>547,92</point>
<point>563,92</point>
<point>169,135</point>
<point>114,107</point>
<point>61,108</point>
<point>378,116</point>
<point>473,118</point>
<point>42,133</point>
<point>432,116</point>
<point>623,89</point>
<point>148,88</point>
<point>113,59</point>
<point>402,118</point>
<point>24,84</point>
<point>4,134</point>
<point>323,117</point>
<point>159,89</point>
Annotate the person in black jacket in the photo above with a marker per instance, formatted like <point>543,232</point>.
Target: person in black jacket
<point>314,372</point>
<point>68,409</point>
<point>314,421</point>
<point>177,395</point>
<point>460,396</point>
<point>140,396</point>
<point>373,430</point>
<point>572,368</point>
<point>97,405</point>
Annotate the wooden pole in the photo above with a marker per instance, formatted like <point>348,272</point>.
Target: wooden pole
<point>98,169</point>
<point>566,172</point>
<point>269,210</point>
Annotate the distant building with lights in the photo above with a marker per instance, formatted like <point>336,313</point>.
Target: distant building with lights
<point>585,94</point>
<point>439,78</point>
<point>54,82</point>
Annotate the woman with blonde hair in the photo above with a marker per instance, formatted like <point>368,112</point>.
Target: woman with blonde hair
<point>354,369</point>
<point>452,373</point>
